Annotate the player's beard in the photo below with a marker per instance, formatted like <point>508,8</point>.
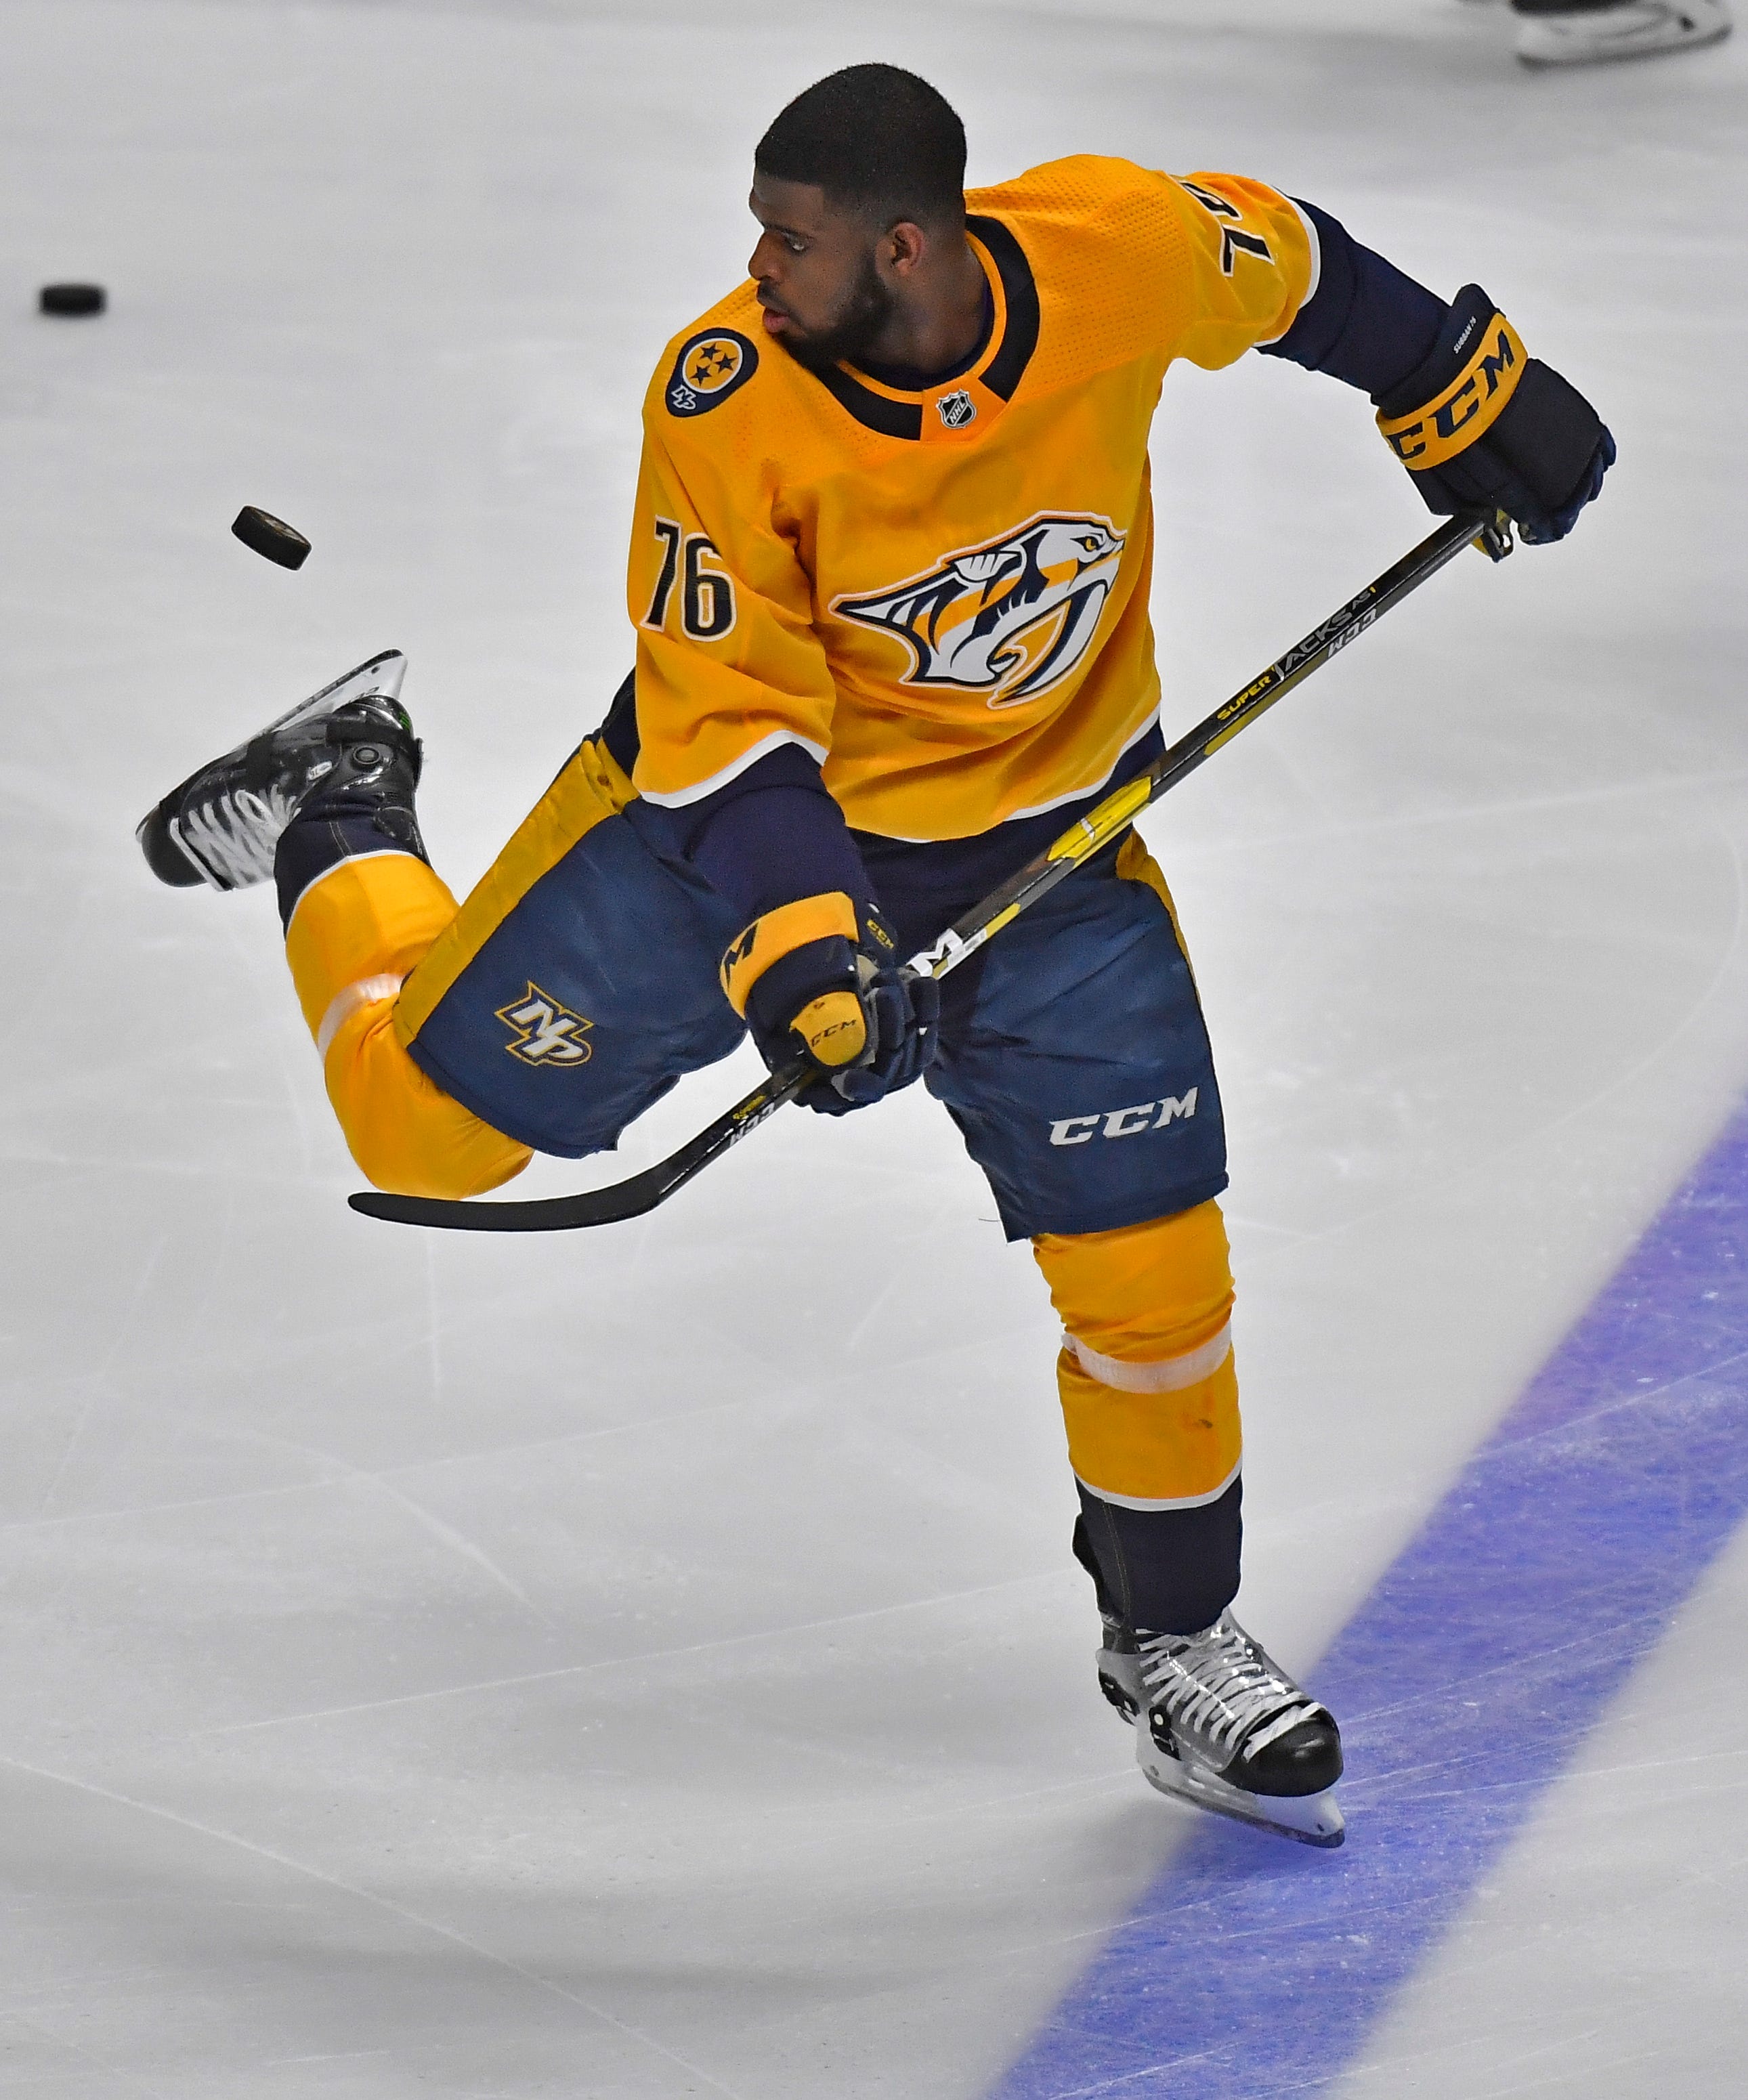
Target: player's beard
<point>865,312</point>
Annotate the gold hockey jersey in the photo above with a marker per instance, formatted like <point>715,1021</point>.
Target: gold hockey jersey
<point>942,596</point>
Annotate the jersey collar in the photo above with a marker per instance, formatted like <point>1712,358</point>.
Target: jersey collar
<point>958,409</point>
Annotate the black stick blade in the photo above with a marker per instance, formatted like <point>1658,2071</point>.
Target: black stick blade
<point>630,1198</point>
<point>553,1214</point>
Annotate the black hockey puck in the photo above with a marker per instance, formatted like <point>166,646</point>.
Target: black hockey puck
<point>73,299</point>
<point>271,536</point>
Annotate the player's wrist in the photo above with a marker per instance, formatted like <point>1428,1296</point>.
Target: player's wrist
<point>796,975</point>
<point>813,994</point>
<point>1459,390</point>
<point>839,996</point>
<point>822,930</point>
<point>1480,423</point>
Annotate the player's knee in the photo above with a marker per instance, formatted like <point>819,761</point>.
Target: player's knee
<point>406,1134</point>
<point>1149,1393</point>
<point>1147,1307</point>
<point>365,917</point>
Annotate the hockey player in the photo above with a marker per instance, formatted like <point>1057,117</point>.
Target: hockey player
<point>1551,33</point>
<point>889,576</point>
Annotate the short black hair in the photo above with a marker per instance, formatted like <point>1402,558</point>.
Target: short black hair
<point>875,138</point>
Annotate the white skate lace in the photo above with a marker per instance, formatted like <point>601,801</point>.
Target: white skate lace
<point>1220,1685</point>
<point>234,837</point>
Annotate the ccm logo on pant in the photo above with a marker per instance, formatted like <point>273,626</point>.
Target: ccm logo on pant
<point>1123,1123</point>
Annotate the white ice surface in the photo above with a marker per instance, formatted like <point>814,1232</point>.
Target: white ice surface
<point>648,1665</point>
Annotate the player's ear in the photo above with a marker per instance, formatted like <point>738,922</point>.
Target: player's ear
<point>904,245</point>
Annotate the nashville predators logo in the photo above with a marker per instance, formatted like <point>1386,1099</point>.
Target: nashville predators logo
<point>708,368</point>
<point>548,1034</point>
<point>1010,618</point>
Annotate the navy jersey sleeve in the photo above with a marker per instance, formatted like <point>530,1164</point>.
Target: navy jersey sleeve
<point>771,835</point>
<point>1366,322</point>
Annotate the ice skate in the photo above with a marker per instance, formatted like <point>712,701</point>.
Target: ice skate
<point>221,825</point>
<point>1219,1723</point>
<point>1557,33</point>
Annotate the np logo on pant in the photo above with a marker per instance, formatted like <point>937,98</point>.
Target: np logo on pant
<point>1124,1123</point>
<point>547,1033</point>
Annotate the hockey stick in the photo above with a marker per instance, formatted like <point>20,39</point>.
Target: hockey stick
<point>1107,820</point>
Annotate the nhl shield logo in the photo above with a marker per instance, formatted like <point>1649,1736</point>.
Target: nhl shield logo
<point>1010,618</point>
<point>712,366</point>
<point>956,410</point>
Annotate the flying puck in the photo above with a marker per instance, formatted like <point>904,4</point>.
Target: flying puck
<point>271,536</point>
<point>73,299</point>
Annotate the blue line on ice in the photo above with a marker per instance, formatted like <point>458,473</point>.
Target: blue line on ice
<point>1465,1683</point>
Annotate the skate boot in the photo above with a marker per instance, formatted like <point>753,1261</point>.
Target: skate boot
<point>1218,1724</point>
<point>348,750</point>
<point>1553,32</point>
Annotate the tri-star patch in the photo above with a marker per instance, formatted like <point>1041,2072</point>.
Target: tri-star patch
<point>709,368</point>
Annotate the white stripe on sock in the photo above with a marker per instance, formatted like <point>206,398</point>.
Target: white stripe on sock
<point>1170,1374</point>
<point>368,991</point>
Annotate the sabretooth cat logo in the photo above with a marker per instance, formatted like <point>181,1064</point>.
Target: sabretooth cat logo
<point>1010,618</point>
<point>547,1033</point>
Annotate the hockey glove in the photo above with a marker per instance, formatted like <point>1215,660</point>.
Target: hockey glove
<point>1480,423</point>
<point>815,976</point>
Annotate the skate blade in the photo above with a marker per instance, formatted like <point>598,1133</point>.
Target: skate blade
<point>1309,1819</point>
<point>1549,57</point>
<point>380,674</point>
